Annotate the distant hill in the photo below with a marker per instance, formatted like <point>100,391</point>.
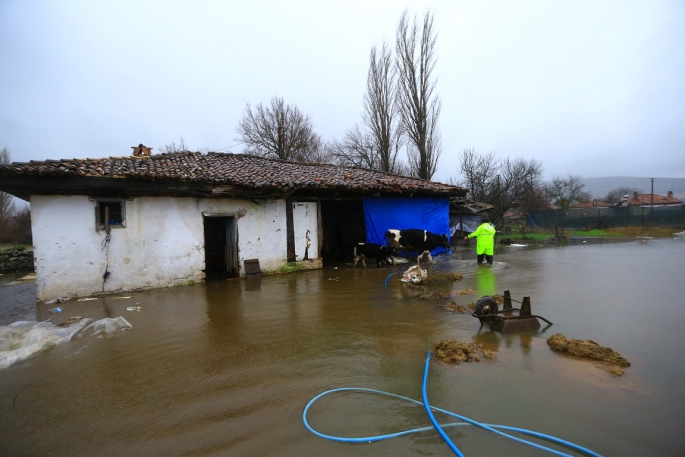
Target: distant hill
<point>600,187</point>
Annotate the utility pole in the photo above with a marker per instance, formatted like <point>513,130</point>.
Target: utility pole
<point>651,206</point>
<point>652,191</point>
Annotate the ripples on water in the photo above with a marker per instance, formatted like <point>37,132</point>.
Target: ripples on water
<point>226,368</point>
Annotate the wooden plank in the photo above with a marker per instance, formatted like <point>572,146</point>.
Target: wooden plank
<point>290,231</point>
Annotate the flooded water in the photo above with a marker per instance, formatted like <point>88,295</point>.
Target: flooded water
<point>226,368</point>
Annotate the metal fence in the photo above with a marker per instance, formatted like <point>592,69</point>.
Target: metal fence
<point>631,216</point>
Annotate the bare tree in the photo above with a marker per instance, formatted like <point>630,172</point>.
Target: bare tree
<point>173,147</point>
<point>6,200</point>
<point>417,102</point>
<point>380,108</point>
<point>568,191</point>
<point>356,149</point>
<point>615,195</point>
<point>375,144</point>
<point>280,131</point>
<point>506,184</point>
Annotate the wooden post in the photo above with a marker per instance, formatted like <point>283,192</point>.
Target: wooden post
<point>290,231</point>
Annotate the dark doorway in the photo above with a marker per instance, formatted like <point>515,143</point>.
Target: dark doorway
<point>343,228</point>
<point>221,247</point>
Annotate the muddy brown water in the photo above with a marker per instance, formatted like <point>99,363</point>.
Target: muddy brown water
<point>226,368</point>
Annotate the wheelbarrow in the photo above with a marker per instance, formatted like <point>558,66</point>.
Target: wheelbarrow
<point>509,319</point>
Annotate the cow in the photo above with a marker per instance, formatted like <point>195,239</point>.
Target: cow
<point>416,240</point>
<point>379,253</point>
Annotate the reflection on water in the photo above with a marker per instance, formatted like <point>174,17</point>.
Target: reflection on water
<point>485,281</point>
<point>226,368</point>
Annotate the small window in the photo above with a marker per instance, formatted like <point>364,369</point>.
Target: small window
<point>110,212</point>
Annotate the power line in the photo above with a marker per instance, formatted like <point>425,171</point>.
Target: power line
<point>229,147</point>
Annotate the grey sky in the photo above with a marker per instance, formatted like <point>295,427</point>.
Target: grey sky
<point>594,88</point>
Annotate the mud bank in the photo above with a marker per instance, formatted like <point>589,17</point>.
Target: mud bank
<point>589,349</point>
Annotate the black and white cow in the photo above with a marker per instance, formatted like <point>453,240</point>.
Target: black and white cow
<point>416,240</point>
<point>363,251</point>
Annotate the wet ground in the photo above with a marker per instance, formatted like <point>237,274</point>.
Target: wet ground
<point>226,368</point>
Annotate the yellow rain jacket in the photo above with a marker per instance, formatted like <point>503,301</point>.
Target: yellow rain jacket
<point>486,239</point>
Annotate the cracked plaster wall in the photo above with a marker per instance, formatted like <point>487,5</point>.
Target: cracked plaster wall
<point>161,245</point>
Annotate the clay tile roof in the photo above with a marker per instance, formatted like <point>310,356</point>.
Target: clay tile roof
<point>646,199</point>
<point>239,170</point>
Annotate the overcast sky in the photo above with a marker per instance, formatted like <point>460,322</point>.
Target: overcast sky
<point>592,88</point>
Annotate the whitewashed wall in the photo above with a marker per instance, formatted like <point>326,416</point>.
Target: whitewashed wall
<point>161,245</point>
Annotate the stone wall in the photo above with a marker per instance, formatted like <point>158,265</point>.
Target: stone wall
<point>16,259</point>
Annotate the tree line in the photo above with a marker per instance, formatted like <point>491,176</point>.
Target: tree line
<point>400,112</point>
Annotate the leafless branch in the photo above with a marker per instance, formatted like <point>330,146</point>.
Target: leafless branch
<point>281,131</point>
<point>417,103</point>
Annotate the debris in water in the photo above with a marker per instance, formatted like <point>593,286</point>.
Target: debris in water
<point>398,260</point>
<point>456,308</point>
<point>56,300</point>
<point>455,352</point>
<point>432,295</point>
<point>108,325</point>
<point>588,349</point>
<point>122,298</point>
<point>70,321</point>
<point>440,275</point>
<point>489,353</point>
<point>133,308</point>
<point>452,351</point>
<point>414,274</point>
<point>87,299</point>
<point>465,291</point>
<point>22,339</point>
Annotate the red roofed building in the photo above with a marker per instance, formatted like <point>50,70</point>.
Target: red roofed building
<point>638,199</point>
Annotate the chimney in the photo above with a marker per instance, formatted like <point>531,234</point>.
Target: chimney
<point>635,195</point>
<point>141,150</point>
<point>670,194</point>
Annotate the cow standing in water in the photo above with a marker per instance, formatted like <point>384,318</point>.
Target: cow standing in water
<point>416,240</point>
<point>379,253</point>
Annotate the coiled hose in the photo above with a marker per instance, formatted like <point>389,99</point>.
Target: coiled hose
<point>439,428</point>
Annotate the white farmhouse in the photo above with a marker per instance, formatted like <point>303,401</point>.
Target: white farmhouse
<point>127,223</point>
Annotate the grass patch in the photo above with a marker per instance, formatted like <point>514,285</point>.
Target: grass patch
<point>656,232</point>
<point>13,248</point>
<point>289,267</point>
<point>593,233</point>
<point>532,236</point>
<point>626,232</point>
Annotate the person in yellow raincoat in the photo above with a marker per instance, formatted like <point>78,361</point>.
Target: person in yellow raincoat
<point>485,244</point>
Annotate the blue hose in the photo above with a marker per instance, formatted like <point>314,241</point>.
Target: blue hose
<point>386,280</point>
<point>438,427</point>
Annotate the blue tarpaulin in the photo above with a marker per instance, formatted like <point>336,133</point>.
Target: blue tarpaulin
<point>382,214</point>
